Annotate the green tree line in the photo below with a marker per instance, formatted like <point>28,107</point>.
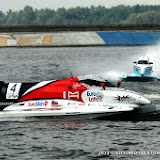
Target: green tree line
<point>83,15</point>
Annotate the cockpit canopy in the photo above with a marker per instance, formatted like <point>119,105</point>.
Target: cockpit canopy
<point>94,80</point>
<point>143,62</point>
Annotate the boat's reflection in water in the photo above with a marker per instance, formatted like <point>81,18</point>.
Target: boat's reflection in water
<point>60,124</point>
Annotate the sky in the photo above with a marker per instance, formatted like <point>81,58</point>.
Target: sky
<point>5,5</point>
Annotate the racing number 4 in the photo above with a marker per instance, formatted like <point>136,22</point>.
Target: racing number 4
<point>13,89</point>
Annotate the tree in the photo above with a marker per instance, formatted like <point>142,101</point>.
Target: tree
<point>13,18</point>
<point>83,15</point>
<point>43,15</point>
<point>3,18</point>
<point>28,16</point>
<point>152,17</point>
<point>136,9</point>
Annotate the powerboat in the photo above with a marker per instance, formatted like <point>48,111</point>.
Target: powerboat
<point>81,97</point>
<point>142,71</point>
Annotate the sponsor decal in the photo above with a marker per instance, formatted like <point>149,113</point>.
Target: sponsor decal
<point>38,103</point>
<point>95,96</point>
<point>82,104</point>
<point>46,109</point>
<point>72,103</point>
<point>6,103</point>
<point>94,99</point>
<point>55,104</point>
<point>71,95</point>
<point>12,96</point>
<point>94,104</point>
<point>124,98</point>
<point>76,85</point>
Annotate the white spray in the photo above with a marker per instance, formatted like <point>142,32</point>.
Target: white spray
<point>153,53</point>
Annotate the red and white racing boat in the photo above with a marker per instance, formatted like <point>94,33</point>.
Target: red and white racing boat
<point>82,97</point>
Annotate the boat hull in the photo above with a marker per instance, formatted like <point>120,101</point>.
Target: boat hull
<point>133,77</point>
<point>60,109</point>
<point>45,116</point>
<point>145,113</point>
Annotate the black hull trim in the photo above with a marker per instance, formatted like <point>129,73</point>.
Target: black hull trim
<point>146,113</point>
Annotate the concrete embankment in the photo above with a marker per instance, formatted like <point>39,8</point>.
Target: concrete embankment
<point>51,39</point>
<point>94,35</point>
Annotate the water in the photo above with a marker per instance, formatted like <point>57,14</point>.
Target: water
<point>46,139</point>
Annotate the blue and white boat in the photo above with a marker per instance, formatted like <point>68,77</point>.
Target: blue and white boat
<point>142,71</point>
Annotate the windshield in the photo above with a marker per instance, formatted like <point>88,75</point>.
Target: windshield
<point>142,62</point>
<point>96,83</point>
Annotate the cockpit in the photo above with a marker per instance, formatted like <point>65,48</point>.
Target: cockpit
<point>93,80</point>
<point>96,83</point>
<point>143,62</point>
